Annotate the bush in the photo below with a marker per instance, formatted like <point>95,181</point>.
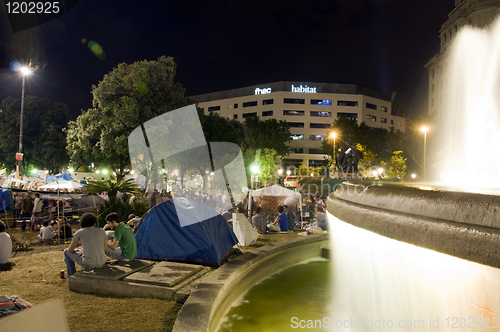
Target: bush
<point>138,207</point>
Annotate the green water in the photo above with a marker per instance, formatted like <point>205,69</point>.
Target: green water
<point>302,291</point>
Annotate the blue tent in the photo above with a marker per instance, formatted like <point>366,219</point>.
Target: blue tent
<point>184,230</point>
<point>6,200</point>
<point>62,176</point>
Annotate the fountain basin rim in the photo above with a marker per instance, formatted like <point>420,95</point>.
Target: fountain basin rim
<point>216,292</point>
<point>476,243</point>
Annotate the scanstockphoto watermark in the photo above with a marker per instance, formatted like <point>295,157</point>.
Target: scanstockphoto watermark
<point>455,323</point>
<point>361,323</point>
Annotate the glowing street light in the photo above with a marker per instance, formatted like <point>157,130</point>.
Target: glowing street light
<point>280,171</point>
<point>288,172</point>
<point>333,135</point>
<point>424,130</point>
<point>25,71</point>
<point>413,176</point>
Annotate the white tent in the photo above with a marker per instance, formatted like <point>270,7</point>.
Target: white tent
<point>279,191</point>
<point>243,230</point>
<point>62,184</point>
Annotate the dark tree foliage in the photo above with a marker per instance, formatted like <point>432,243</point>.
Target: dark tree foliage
<point>44,141</point>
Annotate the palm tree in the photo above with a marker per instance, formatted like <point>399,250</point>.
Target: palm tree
<point>112,187</point>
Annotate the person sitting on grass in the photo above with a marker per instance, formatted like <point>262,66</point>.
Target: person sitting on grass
<point>281,220</point>
<point>5,248</point>
<point>93,242</point>
<point>259,221</point>
<point>45,232</point>
<point>123,247</point>
<point>64,231</point>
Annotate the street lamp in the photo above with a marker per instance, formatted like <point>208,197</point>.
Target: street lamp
<point>333,135</point>
<point>25,71</point>
<point>254,177</point>
<point>424,129</point>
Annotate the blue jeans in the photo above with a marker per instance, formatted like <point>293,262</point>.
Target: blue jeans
<point>74,257</point>
<point>116,254</point>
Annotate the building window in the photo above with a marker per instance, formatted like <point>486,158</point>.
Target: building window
<point>250,104</point>
<point>267,113</point>
<point>268,102</point>
<point>235,116</point>
<point>296,150</point>
<point>383,109</point>
<point>347,115</point>
<point>249,115</point>
<point>392,122</point>
<point>370,117</point>
<point>371,106</point>
<point>317,151</point>
<point>320,102</point>
<point>347,103</point>
<point>383,120</point>
<point>202,110</point>
<point>214,108</point>
<point>317,137</point>
<point>294,101</point>
<point>301,113</point>
<point>322,114</point>
<point>297,137</point>
<point>235,105</point>
<point>319,125</point>
<point>296,124</point>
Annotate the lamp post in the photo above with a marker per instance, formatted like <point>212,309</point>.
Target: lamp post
<point>333,135</point>
<point>424,130</point>
<point>255,171</point>
<point>25,71</point>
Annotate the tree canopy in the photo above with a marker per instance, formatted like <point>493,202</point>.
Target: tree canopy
<point>44,141</point>
<point>128,96</point>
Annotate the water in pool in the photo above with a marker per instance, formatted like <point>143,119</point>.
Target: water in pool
<point>284,301</point>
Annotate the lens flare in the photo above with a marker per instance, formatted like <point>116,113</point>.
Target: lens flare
<point>96,49</point>
<point>15,65</point>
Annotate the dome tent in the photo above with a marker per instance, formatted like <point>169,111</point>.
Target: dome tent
<point>184,230</point>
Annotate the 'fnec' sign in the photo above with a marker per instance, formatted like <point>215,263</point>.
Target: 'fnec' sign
<point>262,91</point>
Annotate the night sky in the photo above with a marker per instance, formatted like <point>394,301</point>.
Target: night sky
<point>220,45</point>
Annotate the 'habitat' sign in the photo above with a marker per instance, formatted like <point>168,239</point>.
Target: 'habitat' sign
<point>303,89</point>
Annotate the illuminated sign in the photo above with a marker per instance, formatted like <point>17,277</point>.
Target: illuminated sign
<point>262,91</point>
<point>303,89</point>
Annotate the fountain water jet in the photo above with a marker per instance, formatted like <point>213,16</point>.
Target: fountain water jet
<point>470,109</point>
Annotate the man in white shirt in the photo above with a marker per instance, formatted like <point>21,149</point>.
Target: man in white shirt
<point>94,245</point>
<point>5,247</point>
<point>37,211</point>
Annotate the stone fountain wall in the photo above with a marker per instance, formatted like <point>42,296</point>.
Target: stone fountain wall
<point>415,257</point>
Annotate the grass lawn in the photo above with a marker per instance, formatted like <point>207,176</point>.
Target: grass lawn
<point>35,278</point>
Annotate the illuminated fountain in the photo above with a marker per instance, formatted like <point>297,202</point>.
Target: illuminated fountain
<point>468,143</point>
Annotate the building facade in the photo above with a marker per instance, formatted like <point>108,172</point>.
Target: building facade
<point>474,13</point>
<point>308,108</point>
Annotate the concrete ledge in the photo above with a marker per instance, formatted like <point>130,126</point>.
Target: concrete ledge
<point>458,238</point>
<point>214,295</point>
<point>468,208</point>
<point>138,278</point>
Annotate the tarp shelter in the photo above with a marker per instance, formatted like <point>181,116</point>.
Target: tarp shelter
<point>243,230</point>
<point>283,195</point>
<point>184,230</point>
<point>62,176</point>
<point>6,202</point>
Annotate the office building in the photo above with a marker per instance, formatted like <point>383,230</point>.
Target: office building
<point>308,108</point>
